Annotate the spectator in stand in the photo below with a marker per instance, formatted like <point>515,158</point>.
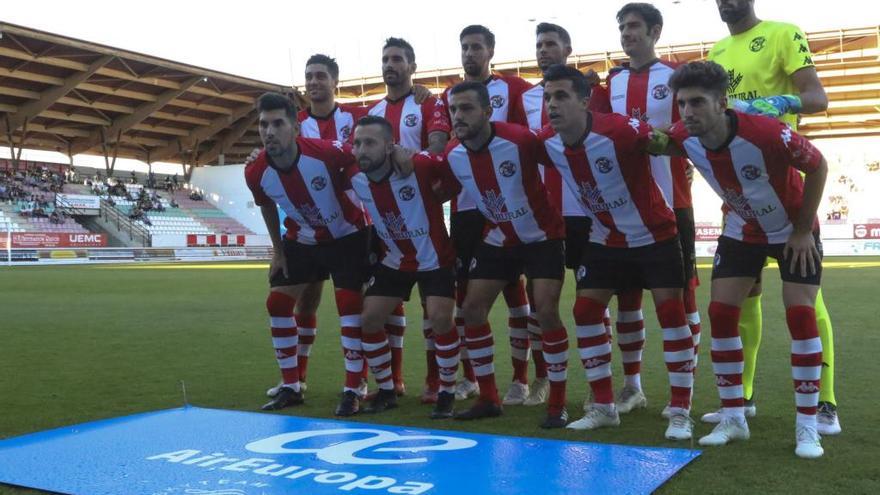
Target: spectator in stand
<point>174,203</point>
<point>168,185</point>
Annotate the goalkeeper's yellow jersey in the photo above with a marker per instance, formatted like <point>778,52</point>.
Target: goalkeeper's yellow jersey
<point>760,61</point>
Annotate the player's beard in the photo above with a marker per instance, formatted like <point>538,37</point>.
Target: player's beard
<point>473,69</point>
<point>735,14</point>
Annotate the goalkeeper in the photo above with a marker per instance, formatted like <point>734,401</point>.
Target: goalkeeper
<point>771,72</point>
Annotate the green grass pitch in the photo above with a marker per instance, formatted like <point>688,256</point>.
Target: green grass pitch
<point>81,343</point>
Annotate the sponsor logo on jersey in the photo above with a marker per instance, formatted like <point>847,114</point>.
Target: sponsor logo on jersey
<point>758,44</point>
<point>750,172</point>
<point>604,165</point>
<point>734,80</point>
<point>591,197</point>
<point>497,101</point>
<point>411,120</point>
<point>660,92</point>
<point>507,168</point>
<point>406,193</point>
<point>396,226</point>
<point>635,123</point>
<point>314,218</point>
<point>717,260</point>
<point>319,183</point>
<point>495,205</point>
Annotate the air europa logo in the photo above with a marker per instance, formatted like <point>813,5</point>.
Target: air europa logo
<point>357,451</point>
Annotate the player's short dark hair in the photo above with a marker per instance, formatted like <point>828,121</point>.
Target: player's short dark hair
<point>330,62</point>
<point>646,11</point>
<point>478,87</point>
<point>401,43</point>
<point>488,36</point>
<point>700,74</point>
<point>548,27</point>
<point>560,72</point>
<point>377,120</point>
<point>277,101</point>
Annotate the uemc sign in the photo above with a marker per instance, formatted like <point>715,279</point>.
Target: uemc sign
<point>340,447</point>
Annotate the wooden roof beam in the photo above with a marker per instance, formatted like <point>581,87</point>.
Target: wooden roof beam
<point>126,122</point>
<point>51,95</point>
<point>229,139</point>
<point>200,134</point>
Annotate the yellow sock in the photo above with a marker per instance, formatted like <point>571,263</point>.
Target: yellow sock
<point>826,335</point>
<point>750,333</point>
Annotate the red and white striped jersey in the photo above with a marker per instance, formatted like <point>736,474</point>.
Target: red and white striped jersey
<point>337,126</point>
<point>504,176</point>
<point>411,122</point>
<point>407,215</point>
<point>645,94</point>
<point>505,95</point>
<point>755,174</point>
<point>311,192</point>
<point>610,172</point>
<point>535,117</point>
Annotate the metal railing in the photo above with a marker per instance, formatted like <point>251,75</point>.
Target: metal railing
<point>124,224</point>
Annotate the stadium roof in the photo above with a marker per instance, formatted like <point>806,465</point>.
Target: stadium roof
<point>72,96</point>
<point>847,60</point>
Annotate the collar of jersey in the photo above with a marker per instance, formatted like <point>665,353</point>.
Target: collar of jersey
<point>643,68</point>
<point>326,117</point>
<point>734,126</point>
<point>580,143</point>
<point>295,161</point>
<point>485,146</point>
<point>389,100</point>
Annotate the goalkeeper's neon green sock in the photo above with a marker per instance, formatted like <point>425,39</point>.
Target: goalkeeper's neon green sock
<point>826,335</point>
<point>750,333</point>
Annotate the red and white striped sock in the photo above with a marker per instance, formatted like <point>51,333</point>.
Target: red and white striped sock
<point>594,348</point>
<point>693,316</point>
<point>518,312</point>
<point>606,320</point>
<point>806,361</point>
<point>678,352</point>
<point>395,326</point>
<point>284,336</point>
<point>378,354</point>
<point>631,336</point>
<point>537,345</point>
<point>307,329</point>
<point>556,355</point>
<point>727,357</point>
<point>349,305</point>
<point>481,348</point>
<point>466,368</point>
<point>447,356</point>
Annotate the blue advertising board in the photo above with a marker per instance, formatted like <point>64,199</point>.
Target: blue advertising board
<point>198,451</point>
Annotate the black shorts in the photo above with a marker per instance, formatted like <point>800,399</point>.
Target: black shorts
<point>655,266</point>
<point>684,219</point>
<point>545,259</point>
<point>577,236</point>
<point>346,260</point>
<point>740,259</point>
<point>389,282</point>
<point>466,230</point>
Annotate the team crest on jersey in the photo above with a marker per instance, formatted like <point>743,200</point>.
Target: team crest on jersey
<point>345,132</point>
<point>507,168</point>
<point>604,165</point>
<point>411,120</point>
<point>406,193</point>
<point>497,101</point>
<point>581,273</point>
<point>660,92</point>
<point>750,172</point>
<point>758,44</point>
<point>319,183</point>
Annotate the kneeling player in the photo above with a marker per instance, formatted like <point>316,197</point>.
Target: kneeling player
<point>415,249</point>
<point>752,163</point>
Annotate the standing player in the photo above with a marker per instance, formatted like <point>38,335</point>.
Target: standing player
<point>552,46</point>
<point>771,72</point>
<point>326,236</point>
<point>467,223</point>
<point>633,241</point>
<point>497,163</point>
<point>415,249</point>
<point>752,163</point>
<point>416,126</point>
<point>324,119</point>
<point>640,89</point>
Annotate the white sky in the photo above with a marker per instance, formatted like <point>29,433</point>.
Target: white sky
<point>271,40</point>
